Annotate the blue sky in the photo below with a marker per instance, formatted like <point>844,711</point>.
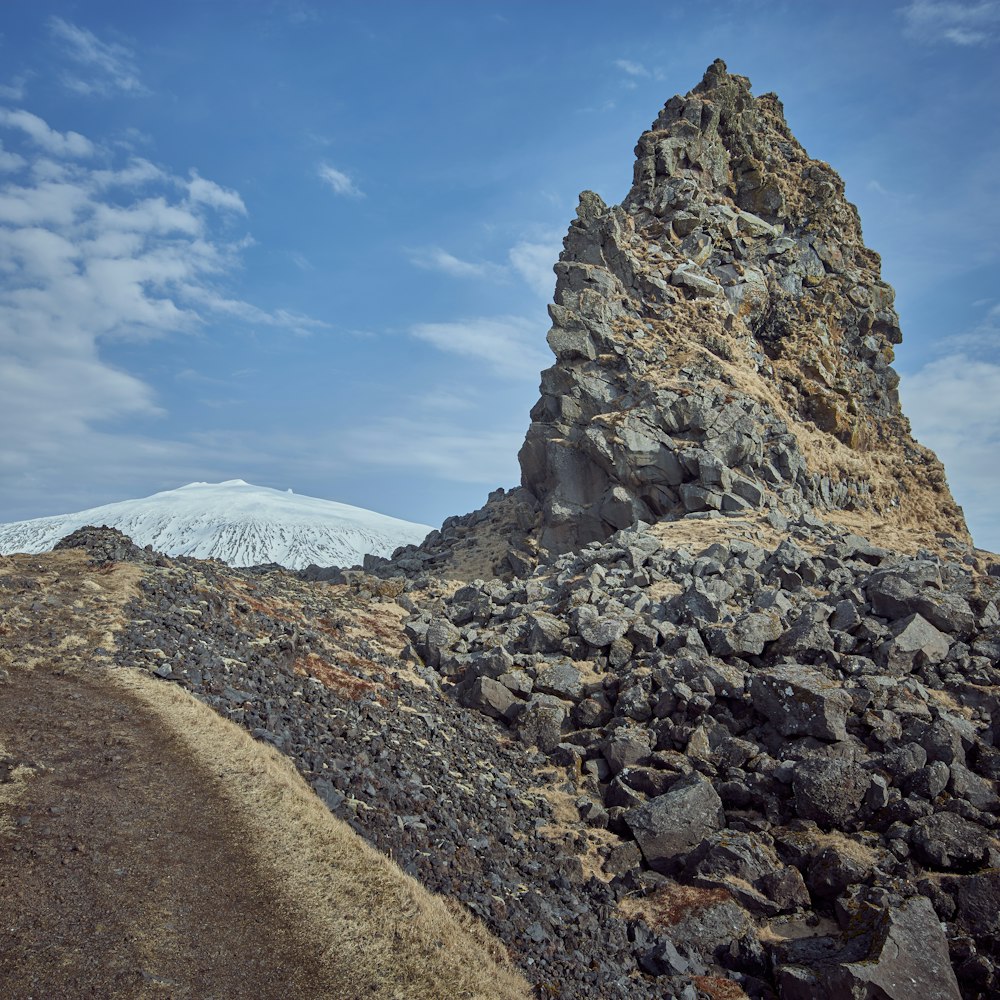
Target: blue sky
<point>310,244</point>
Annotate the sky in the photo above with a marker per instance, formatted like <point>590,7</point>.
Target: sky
<point>310,245</point>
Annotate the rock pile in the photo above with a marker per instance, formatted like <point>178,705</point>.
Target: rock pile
<point>723,341</point>
<point>436,787</point>
<point>807,729</point>
<point>107,545</point>
<point>661,719</point>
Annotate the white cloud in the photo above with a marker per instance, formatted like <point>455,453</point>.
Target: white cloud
<point>209,193</point>
<point>339,181</point>
<point>110,66</point>
<point>10,161</point>
<point>954,407</point>
<point>436,259</point>
<point>632,68</point>
<point>530,260</point>
<point>70,144</point>
<point>534,261</point>
<point>961,23</point>
<point>13,91</point>
<point>511,346</point>
<point>439,449</point>
<point>87,256</point>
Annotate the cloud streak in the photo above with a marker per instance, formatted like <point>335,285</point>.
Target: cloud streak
<point>952,21</point>
<point>632,68</point>
<point>90,255</point>
<point>509,346</point>
<point>110,67</point>
<point>436,259</point>
<point>339,182</point>
<point>69,144</point>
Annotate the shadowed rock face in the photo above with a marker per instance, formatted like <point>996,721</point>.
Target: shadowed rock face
<point>723,341</point>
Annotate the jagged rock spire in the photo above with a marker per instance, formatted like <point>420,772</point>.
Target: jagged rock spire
<point>723,341</point>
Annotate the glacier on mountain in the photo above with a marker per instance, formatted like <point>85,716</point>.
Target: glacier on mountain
<point>234,521</point>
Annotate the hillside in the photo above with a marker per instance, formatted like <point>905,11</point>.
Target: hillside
<point>707,708</point>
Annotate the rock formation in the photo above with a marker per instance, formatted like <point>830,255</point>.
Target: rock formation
<point>745,751</point>
<point>723,341</point>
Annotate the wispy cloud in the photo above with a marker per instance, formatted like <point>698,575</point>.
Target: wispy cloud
<point>205,192</point>
<point>632,68</point>
<point>13,91</point>
<point>440,449</point>
<point>603,106</point>
<point>340,182</point>
<point>953,403</point>
<point>10,161</point>
<point>436,259</point>
<point>954,21</point>
<point>534,260</point>
<point>47,139</point>
<point>954,407</point>
<point>509,346</point>
<point>90,255</point>
<point>110,67</point>
<point>531,260</point>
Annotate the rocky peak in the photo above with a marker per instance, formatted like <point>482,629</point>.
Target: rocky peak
<point>723,342</point>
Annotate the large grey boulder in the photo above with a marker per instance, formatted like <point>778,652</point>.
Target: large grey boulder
<point>915,642</point>
<point>946,840</point>
<point>489,697</point>
<point>561,679</point>
<point>800,701</point>
<point>829,790</point>
<point>901,954</point>
<point>747,636</point>
<point>540,724</point>
<point>669,826</point>
<point>627,746</point>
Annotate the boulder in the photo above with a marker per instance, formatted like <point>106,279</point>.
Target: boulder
<point>800,701</point>
<point>829,790</point>
<point>561,679</point>
<point>900,954</point>
<point>747,636</point>
<point>915,642</point>
<point>489,697</point>
<point>669,826</point>
<point>540,724</point>
<point>946,840</point>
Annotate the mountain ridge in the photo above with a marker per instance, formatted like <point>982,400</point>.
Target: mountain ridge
<point>234,521</point>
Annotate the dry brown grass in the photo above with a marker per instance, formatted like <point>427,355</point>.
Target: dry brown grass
<point>386,936</point>
<point>695,534</point>
<point>11,790</point>
<point>718,988</point>
<point>672,903</point>
<point>344,684</point>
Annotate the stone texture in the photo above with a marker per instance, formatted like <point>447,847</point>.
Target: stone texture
<point>829,790</point>
<point>901,954</point>
<point>734,240</point>
<point>801,702</point>
<point>670,825</point>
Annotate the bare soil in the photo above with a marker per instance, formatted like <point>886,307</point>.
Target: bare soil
<point>126,874</point>
<point>150,848</point>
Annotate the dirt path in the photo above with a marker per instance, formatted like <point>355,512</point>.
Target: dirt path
<point>126,875</point>
<point>151,849</point>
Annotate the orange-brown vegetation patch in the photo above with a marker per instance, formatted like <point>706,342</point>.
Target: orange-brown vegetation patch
<point>270,606</point>
<point>718,988</point>
<point>670,904</point>
<point>345,684</point>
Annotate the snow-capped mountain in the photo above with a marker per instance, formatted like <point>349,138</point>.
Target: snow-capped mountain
<point>241,524</point>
